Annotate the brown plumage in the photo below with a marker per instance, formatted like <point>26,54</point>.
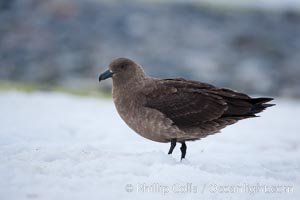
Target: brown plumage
<point>175,110</point>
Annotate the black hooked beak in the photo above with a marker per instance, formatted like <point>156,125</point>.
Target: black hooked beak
<point>107,74</point>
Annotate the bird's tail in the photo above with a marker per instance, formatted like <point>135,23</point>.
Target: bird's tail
<point>260,104</point>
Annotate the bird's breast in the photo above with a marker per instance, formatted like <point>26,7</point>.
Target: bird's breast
<point>147,122</point>
<point>127,107</point>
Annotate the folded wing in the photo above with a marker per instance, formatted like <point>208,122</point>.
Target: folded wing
<point>191,103</point>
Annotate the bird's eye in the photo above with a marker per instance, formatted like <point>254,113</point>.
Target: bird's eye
<point>123,66</point>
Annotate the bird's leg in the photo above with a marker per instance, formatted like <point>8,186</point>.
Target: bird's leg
<point>173,145</point>
<point>183,150</point>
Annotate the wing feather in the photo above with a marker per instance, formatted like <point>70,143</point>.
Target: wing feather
<point>185,102</point>
<point>201,109</point>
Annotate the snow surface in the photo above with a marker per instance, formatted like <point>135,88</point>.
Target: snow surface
<point>57,146</point>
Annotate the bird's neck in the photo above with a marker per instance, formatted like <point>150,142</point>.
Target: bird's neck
<point>132,84</point>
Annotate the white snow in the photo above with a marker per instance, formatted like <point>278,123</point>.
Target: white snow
<point>57,146</point>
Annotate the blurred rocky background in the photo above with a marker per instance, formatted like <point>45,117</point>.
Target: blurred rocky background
<point>69,42</point>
